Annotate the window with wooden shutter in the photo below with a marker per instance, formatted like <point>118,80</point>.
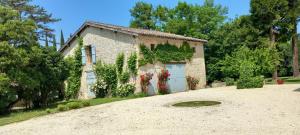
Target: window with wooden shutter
<point>94,54</point>
<point>83,55</point>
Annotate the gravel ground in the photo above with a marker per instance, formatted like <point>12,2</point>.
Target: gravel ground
<point>270,110</point>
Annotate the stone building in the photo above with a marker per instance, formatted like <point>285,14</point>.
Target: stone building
<point>104,42</point>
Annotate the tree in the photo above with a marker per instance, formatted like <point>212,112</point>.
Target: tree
<point>33,12</point>
<point>142,14</point>
<point>294,16</point>
<point>46,40</point>
<point>267,16</point>
<point>193,20</point>
<point>27,71</point>
<point>62,40</point>
<point>53,72</point>
<point>54,42</point>
<point>262,58</point>
<point>75,71</point>
<point>189,20</point>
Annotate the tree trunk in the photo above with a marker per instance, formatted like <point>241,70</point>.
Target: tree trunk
<point>272,39</point>
<point>295,50</point>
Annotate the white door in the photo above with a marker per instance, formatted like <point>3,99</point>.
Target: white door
<point>177,82</point>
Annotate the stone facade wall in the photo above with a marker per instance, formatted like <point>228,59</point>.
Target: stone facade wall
<point>194,68</point>
<point>109,44</point>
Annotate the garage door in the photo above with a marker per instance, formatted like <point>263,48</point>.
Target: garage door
<point>177,82</point>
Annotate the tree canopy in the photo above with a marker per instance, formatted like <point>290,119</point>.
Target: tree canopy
<point>28,71</point>
<point>265,32</point>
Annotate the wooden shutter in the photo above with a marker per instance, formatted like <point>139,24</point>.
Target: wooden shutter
<point>93,54</point>
<point>83,55</point>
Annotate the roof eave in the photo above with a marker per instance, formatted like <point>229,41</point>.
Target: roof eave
<point>88,24</point>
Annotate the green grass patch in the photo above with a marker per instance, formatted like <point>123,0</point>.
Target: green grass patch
<point>196,103</point>
<point>287,80</point>
<point>21,115</point>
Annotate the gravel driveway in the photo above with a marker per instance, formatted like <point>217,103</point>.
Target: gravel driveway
<point>270,110</point>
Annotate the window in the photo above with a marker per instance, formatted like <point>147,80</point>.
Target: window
<point>152,47</point>
<point>89,55</point>
<point>88,52</point>
<point>194,49</point>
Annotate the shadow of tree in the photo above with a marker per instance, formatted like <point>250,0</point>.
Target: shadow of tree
<point>297,90</point>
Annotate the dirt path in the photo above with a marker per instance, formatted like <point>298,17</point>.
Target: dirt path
<point>271,110</point>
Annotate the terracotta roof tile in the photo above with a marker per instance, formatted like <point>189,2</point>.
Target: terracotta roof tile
<point>132,31</point>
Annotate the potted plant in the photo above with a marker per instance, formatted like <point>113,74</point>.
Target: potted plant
<point>145,81</point>
<point>163,77</point>
<point>279,81</point>
<point>192,82</point>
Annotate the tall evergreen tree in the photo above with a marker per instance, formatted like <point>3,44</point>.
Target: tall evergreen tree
<point>46,40</point>
<point>34,12</point>
<point>62,39</point>
<point>54,42</point>
<point>294,16</point>
<point>267,16</point>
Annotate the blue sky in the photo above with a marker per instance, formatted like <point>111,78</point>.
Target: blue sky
<point>74,12</point>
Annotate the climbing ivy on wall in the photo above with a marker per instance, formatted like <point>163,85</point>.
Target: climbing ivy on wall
<point>75,71</point>
<point>131,63</point>
<point>120,63</point>
<point>148,56</point>
<point>166,53</point>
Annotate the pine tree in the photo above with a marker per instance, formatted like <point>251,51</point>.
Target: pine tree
<point>34,12</point>
<point>294,15</point>
<point>267,15</point>
<point>62,40</point>
<point>46,40</point>
<point>54,42</point>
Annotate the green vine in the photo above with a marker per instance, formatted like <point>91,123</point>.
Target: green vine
<point>166,53</point>
<point>75,71</point>
<point>131,63</point>
<point>120,63</point>
<point>149,56</point>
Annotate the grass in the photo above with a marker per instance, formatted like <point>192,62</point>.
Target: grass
<point>196,103</point>
<point>287,80</point>
<point>22,115</point>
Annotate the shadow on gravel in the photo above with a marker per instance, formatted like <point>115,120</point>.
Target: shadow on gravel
<point>297,90</point>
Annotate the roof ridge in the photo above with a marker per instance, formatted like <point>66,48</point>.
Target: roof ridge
<point>130,31</point>
<point>136,29</point>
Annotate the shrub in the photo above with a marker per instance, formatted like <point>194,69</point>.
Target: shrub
<point>124,77</point>
<point>120,63</point>
<point>192,82</point>
<point>251,82</point>
<point>62,108</point>
<point>100,88</point>
<point>163,77</point>
<point>7,95</point>
<point>229,81</point>
<point>75,70</point>
<point>247,78</point>
<point>145,81</point>
<point>125,90</point>
<point>74,105</point>
<point>109,74</point>
<point>85,103</point>
<point>132,60</point>
<point>48,110</point>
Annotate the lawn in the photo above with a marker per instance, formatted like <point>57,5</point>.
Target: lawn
<point>287,80</point>
<point>21,115</point>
